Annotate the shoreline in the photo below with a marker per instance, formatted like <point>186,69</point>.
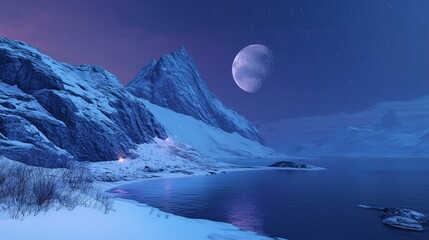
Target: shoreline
<point>129,220</point>
<point>132,219</point>
<point>106,186</point>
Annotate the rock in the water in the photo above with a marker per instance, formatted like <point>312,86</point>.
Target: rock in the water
<point>403,223</point>
<point>389,212</point>
<point>401,218</point>
<point>287,164</point>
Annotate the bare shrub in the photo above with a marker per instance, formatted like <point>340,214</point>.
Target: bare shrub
<point>102,202</point>
<point>26,190</point>
<point>45,190</point>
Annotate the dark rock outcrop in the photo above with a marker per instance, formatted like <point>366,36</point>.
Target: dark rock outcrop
<point>287,164</point>
<point>401,218</point>
<point>390,121</point>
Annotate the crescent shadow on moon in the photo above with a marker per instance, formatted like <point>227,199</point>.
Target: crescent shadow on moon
<point>251,66</point>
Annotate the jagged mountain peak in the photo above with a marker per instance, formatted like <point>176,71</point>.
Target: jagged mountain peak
<point>17,45</point>
<point>174,82</point>
<point>174,64</point>
<point>47,73</point>
<point>181,53</point>
<point>390,120</point>
<point>180,57</point>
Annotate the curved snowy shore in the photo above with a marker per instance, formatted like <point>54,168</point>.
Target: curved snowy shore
<point>129,220</point>
<point>169,226</point>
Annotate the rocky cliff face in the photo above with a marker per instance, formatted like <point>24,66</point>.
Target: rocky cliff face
<point>174,82</point>
<point>52,112</point>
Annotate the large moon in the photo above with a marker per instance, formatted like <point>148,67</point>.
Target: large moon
<point>251,66</point>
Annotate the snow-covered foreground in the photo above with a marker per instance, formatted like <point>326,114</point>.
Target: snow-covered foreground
<point>129,221</point>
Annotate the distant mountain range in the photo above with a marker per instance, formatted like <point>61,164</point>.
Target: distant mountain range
<point>388,138</point>
<point>387,129</point>
<point>280,134</point>
<point>52,112</point>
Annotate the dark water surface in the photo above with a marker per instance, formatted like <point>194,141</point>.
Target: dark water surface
<point>299,205</point>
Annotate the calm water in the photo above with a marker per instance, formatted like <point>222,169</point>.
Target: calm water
<point>299,205</point>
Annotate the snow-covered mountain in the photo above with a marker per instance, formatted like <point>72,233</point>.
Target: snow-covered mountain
<point>52,112</point>
<point>174,82</point>
<point>388,138</point>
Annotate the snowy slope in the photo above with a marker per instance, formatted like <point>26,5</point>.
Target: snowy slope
<point>161,158</point>
<point>207,139</point>
<point>174,82</point>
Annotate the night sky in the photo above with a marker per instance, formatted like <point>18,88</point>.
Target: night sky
<point>330,56</point>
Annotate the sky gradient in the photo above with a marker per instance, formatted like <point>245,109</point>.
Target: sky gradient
<point>330,56</point>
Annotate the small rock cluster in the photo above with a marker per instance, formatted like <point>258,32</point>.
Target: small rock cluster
<point>403,218</point>
<point>286,164</point>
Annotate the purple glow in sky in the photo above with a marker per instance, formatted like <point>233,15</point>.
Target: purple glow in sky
<point>93,32</point>
<point>330,56</point>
